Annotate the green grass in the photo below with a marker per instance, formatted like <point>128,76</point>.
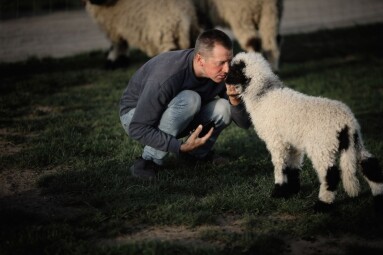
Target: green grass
<point>60,118</point>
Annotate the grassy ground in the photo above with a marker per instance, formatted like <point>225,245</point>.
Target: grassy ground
<point>66,188</point>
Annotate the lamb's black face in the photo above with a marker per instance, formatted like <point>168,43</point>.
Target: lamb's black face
<point>236,75</point>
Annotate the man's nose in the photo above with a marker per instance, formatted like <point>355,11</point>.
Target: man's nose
<point>226,67</point>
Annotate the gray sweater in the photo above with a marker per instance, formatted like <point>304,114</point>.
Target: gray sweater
<point>155,84</point>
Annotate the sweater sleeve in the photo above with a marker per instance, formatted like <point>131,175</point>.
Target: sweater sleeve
<point>238,113</point>
<point>240,116</point>
<point>144,126</point>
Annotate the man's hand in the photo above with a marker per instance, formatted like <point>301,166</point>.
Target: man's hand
<point>232,94</point>
<point>193,142</point>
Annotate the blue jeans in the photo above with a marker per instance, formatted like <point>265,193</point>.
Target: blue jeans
<point>184,113</point>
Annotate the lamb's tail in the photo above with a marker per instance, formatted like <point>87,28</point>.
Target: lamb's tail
<point>350,150</point>
<point>372,172</point>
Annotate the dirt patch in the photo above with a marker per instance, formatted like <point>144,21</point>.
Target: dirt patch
<point>181,234</point>
<point>13,181</point>
<point>18,180</point>
<point>308,246</point>
<point>8,148</point>
<point>333,245</point>
<point>294,246</point>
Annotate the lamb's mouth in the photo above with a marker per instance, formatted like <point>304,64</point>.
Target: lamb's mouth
<point>238,89</point>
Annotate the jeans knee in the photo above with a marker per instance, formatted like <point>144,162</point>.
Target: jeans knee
<point>189,100</point>
<point>222,112</point>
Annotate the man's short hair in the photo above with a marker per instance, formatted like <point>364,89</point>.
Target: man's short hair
<point>207,40</point>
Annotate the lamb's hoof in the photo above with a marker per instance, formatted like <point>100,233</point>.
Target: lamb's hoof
<point>378,203</point>
<point>120,62</point>
<point>281,191</point>
<point>322,207</point>
<point>293,181</point>
<point>294,187</point>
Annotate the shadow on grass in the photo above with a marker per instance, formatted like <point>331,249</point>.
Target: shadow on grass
<point>105,202</point>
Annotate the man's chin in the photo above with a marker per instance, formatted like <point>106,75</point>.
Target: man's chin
<point>220,79</point>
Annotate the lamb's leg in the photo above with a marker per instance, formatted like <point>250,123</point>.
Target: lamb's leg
<point>329,178</point>
<point>279,155</point>
<point>294,165</point>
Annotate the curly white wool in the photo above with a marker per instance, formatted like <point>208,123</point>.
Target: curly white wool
<point>151,26</point>
<point>293,124</point>
<point>255,23</point>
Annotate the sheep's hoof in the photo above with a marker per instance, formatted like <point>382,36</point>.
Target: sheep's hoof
<point>293,181</point>
<point>378,203</point>
<point>120,62</point>
<point>294,188</point>
<point>322,207</point>
<point>281,191</point>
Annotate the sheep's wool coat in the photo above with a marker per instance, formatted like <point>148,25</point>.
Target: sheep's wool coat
<point>254,23</point>
<point>151,26</point>
<point>293,124</point>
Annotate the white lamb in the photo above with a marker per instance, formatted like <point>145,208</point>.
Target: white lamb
<point>151,26</point>
<point>293,124</point>
<point>255,23</point>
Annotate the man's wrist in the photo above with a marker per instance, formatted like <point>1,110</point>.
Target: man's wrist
<point>184,147</point>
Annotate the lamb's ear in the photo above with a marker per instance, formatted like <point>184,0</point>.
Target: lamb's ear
<point>236,75</point>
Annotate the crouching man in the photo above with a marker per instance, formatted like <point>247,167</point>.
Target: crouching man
<point>177,93</point>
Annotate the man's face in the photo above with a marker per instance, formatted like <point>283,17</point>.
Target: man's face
<point>216,65</point>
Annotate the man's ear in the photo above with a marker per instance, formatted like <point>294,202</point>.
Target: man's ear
<point>200,60</point>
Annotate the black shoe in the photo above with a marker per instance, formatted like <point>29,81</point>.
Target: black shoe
<point>145,169</point>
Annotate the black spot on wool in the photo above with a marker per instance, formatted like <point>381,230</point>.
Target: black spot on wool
<point>343,138</point>
<point>267,86</point>
<point>236,74</point>
<point>332,178</point>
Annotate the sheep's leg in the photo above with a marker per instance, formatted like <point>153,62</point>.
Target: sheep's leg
<point>279,154</point>
<point>329,178</point>
<point>118,54</point>
<point>269,29</point>
<point>247,35</point>
<point>293,166</point>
